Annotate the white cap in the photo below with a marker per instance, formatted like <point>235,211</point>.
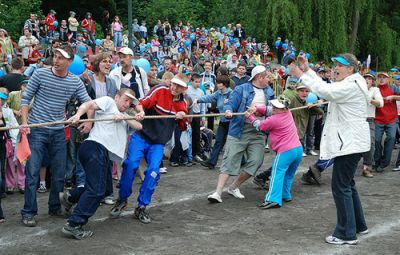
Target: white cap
<point>126,51</point>
<point>64,53</point>
<point>257,70</point>
<point>277,104</point>
<point>301,86</point>
<point>179,82</point>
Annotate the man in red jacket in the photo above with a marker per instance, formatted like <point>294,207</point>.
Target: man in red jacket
<point>385,122</point>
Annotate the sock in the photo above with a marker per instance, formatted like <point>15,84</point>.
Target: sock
<point>233,186</point>
<point>43,183</point>
<point>219,190</point>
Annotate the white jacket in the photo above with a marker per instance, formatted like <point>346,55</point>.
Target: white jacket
<point>116,75</point>
<point>346,130</point>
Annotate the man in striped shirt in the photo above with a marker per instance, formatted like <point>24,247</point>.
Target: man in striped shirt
<point>51,88</point>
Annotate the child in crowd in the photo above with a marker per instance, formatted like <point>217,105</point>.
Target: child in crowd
<point>35,55</point>
<point>285,142</point>
<point>108,44</point>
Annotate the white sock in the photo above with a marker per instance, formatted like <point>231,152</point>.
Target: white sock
<point>43,183</point>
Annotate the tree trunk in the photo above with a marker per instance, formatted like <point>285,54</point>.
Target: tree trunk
<point>355,23</point>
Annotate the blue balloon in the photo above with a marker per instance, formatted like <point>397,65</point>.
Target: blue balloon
<point>228,44</point>
<point>142,48</point>
<point>311,98</point>
<point>206,31</point>
<point>237,44</point>
<point>192,37</point>
<point>2,72</point>
<point>98,42</point>
<point>308,55</point>
<point>223,29</point>
<point>148,45</point>
<point>55,23</point>
<point>180,49</point>
<point>134,62</point>
<point>284,46</point>
<point>277,43</point>
<point>112,66</point>
<point>292,54</point>
<point>77,66</point>
<point>143,63</point>
<point>82,48</point>
<point>187,44</point>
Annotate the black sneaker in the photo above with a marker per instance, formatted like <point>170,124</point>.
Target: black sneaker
<point>64,196</point>
<point>174,164</point>
<point>207,164</point>
<point>307,179</point>
<point>260,182</point>
<point>315,174</point>
<point>76,232</point>
<point>268,205</point>
<point>142,215</point>
<point>117,208</point>
<point>29,221</point>
<point>68,185</point>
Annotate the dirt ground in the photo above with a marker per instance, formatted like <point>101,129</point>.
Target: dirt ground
<point>185,223</point>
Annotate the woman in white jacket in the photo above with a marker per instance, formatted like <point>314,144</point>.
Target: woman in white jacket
<point>345,137</point>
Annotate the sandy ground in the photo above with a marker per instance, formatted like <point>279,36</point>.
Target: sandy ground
<point>185,223</point>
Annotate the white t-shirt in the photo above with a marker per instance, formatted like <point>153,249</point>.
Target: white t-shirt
<point>112,135</point>
<point>259,99</point>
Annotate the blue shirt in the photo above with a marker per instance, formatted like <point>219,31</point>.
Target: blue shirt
<point>219,98</point>
<point>239,100</point>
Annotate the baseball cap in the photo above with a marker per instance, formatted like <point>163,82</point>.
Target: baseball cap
<point>281,102</point>
<point>301,86</point>
<point>397,77</point>
<point>384,74</point>
<point>277,104</point>
<point>126,51</point>
<point>63,53</point>
<point>3,96</point>
<point>369,75</point>
<point>257,70</point>
<point>341,60</point>
<point>179,82</point>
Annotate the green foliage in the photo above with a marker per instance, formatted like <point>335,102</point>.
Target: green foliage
<point>13,15</point>
<point>321,27</point>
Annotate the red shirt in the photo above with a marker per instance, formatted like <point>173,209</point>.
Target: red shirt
<point>388,113</point>
<point>49,22</point>
<point>35,54</point>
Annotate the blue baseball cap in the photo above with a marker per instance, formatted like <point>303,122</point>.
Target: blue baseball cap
<point>3,96</point>
<point>341,60</point>
<point>397,77</point>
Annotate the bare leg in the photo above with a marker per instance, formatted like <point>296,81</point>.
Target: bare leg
<point>243,176</point>
<point>222,179</point>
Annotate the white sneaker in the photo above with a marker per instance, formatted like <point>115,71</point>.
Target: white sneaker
<point>214,198</point>
<point>236,193</point>
<point>363,232</point>
<point>42,188</point>
<point>396,169</point>
<point>304,155</point>
<point>335,240</point>
<point>312,153</point>
<point>109,200</point>
<point>163,170</point>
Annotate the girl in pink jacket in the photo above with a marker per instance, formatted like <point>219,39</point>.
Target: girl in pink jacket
<point>283,139</point>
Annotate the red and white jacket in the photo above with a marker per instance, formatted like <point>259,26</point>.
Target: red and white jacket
<point>88,24</point>
<point>159,101</point>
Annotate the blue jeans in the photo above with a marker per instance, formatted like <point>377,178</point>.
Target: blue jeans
<point>74,166</point>
<point>117,39</point>
<point>96,162</point>
<point>323,164</point>
<point>153,153</point>
<point>283,170</point>
<point>41,139</point>
<point>350,215</point>
<point>220,140</point>
<point>382,154</point>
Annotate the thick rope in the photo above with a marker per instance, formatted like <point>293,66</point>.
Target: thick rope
<point>57,123</point>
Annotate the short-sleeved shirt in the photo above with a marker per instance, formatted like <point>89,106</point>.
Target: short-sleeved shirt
<point>112,135</point>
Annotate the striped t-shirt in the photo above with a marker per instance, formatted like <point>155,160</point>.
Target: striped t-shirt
<point>51,94</point>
